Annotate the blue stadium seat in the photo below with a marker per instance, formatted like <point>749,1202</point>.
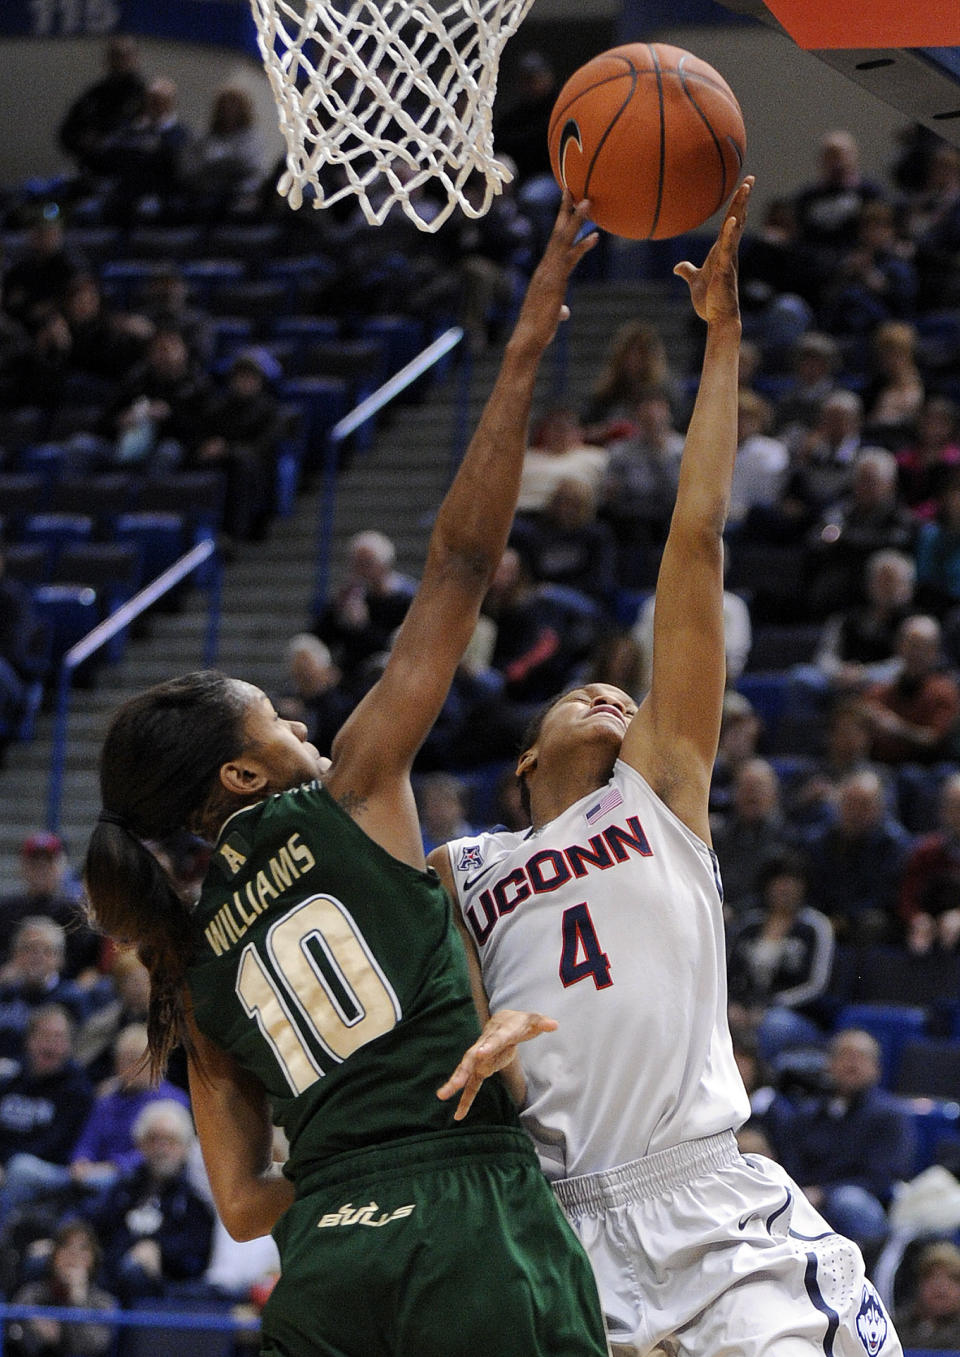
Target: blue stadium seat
<point>304,274</point>
<point>70,611</point>
<point>157,1341</point>
<point>161,537</point>
<point>321,402</point>
<point>306,332</point>
<point>252,241</point>
<point>47,458</point>
<point>121,279</point>
<point>95,244</point>
<point>165,242</point>
<point>778,646</point>
<point>102,497</point>
<point>22,493</point>
<point>918,794</point>
<point>205,277</point>
<point>939,338</point>
<point>196,495</point>
<point>19,428</point>
<point>401,336</point>
<point>767,693</point>
<point>929,1067</point>
<point>260,299</point>
<point>25,726</point>
<point>228,335</point>
<point>57,529</point>
<point>113,569</point>
<point>892,1025</point>
<point>28,562</point>
<point>937,1128</point>
<point>627,604</point>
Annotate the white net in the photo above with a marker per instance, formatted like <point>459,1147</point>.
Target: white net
<point>388,100</point>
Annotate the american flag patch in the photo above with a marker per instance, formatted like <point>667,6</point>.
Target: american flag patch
<point>610,799</point>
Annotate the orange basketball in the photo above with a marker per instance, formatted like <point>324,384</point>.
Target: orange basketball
<point>652,135</point>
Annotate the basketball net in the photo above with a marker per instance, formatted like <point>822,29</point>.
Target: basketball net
<point>383,99</point>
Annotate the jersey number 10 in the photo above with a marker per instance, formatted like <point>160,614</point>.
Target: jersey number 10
<point>323,990</point>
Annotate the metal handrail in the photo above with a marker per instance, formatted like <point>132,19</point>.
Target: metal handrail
<point>106,630</point>
<point>355,420</point>
<point>131,1319</point>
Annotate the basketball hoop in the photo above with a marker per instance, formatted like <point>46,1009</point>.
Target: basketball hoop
<point>383,99</point>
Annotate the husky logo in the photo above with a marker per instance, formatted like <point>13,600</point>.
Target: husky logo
<point>871,1321</point>
<point>470,856</point>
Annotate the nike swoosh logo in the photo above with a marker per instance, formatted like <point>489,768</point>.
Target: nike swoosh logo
<point>744,1221</point>
<point>569,136</point>
<point>470,881</point>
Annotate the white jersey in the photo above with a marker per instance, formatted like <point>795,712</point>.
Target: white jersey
<point>608,919</point>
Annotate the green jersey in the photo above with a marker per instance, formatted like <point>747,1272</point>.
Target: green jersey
<point>332,972</point>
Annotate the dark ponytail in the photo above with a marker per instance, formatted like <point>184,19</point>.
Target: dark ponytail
<point>159,777</point>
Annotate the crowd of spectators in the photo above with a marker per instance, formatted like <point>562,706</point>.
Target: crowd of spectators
<point>836,807</point>
<point>103,1196</point>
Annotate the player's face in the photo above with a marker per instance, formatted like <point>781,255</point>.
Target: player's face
<point>597,713</point>
<point>279,746</point>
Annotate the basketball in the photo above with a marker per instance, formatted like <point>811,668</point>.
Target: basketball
<point>652,135</point>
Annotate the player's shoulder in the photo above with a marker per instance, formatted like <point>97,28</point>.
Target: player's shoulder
<point>470,858</point>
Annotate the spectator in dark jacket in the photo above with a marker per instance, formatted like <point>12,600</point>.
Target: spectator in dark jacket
<point>780,955</point>
<point>850,1146</point>
<point>868,519</point>
<point>105,1147</point>
<point>359,621</point>
<point>931,1316</point>
<point>44,1098</point>
<point>68,1280</point>
<point>157,409</point>
<point>752,833</point>
<point>32,978</point>
<point>567,545</point>
<point>41,274</point>
<point>147,158</point>
<point>23,650</point>
<point>50,887</point>
<point>914,714</point>
<point>856,863</point>
<point>106,108</point>
<point>155,1227</point>
<point>238,432</point>
<point>930,889</point>
<point>38,370</point>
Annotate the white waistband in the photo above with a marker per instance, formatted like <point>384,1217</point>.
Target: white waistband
<point>647,1177</point>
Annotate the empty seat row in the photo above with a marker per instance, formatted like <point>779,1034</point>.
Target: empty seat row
<point>37,506</point>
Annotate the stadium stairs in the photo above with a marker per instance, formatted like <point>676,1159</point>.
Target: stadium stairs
<point>269,586</point>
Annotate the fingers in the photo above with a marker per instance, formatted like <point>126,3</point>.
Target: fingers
<point>495,1048</point>
<point>571,219</point>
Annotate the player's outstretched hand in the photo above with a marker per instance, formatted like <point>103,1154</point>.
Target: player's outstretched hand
<point>543,307</point>
<point>494,1049</point>
<point>713,288</point>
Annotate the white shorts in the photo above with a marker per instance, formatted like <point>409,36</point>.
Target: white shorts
<point>702,1250</point>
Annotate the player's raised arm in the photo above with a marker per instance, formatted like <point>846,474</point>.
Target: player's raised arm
<point>467,541</point>
<point>673,738</point>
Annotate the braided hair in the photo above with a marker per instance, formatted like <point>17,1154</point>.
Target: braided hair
<point>159,771</point>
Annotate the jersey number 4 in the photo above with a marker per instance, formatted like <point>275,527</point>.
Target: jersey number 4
<point>317,988</point>
<point>582,957</point>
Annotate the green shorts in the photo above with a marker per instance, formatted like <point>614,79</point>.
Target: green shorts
<point>448,1246</point>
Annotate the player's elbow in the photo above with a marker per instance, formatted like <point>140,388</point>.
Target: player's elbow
<point>464,560</point>
<point>241,1222</point>
<point>700,532</point>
